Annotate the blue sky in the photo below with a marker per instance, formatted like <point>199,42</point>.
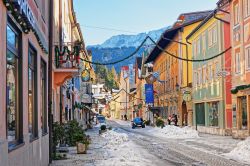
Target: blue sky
<point>131,15</point>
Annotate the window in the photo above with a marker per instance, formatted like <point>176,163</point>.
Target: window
<point>204,75</point>
<point>214,30</point>
<point>203,42</point>
<point>237,62</point>
<point>43,97</point>
<point>236,14</point>
<point>213,113</point>
<point>200,77</point>
<point>194,78</point>
<point>194,49</point>
<point>210,38</point>
<point>210,72</point>
<point>247,52</point>
<point>32,112</point>
<point>217,68</point>
<point>198,46</point>
<point>13,88</point>
<point>246,8</point>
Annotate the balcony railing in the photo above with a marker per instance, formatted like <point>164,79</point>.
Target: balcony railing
<point>67,59</point>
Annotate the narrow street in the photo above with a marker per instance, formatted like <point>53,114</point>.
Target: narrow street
<point>180,151</point>
<point>139,147</point>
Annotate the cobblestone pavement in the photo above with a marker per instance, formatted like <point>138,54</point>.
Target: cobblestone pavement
<point>205,151</point>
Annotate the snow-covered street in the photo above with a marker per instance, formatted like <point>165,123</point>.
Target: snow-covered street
<point>124,146</point>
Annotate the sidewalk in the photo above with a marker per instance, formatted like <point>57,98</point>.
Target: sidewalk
<point>94,153</point>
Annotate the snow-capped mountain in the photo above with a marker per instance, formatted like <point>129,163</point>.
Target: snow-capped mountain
<point>120,46</point>
<point>130,40</point>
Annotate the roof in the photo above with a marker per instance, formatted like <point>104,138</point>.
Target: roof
<point>202,23</point>
<point>170,34</point>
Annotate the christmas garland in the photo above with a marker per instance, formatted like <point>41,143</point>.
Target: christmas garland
<point>238,88</point>
<point>78,105</point>
<point>22,22</point>
<point>60,53</point>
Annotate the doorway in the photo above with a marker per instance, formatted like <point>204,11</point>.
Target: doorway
<point>184,114</point>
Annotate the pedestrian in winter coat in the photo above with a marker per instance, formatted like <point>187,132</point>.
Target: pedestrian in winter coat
<point>176,119</point>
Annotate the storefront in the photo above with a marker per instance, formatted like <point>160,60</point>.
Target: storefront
<point>209,117</point>
<point>241,111</point>
<point>23,83</point>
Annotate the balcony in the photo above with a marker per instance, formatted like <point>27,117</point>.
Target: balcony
<point>66,65</point>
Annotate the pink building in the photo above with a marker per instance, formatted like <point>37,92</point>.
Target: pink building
<point>24,135</point>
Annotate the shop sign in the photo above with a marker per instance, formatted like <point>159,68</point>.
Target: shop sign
<point>26,10</point>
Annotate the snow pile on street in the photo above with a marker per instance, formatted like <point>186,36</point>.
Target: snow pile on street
<point>115,138</point>
<point>170,131</point>
<point>177,132</point>
<point>241,152</point>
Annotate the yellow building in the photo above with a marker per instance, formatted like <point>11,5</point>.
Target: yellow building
<point>175,76</point>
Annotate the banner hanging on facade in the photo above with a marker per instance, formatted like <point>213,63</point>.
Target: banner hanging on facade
<point>149,93</point>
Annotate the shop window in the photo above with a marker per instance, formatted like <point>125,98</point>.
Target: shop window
<point>13,88</point>
<point>43,97</point>
<point>32,77</point>
<point>213,113</point>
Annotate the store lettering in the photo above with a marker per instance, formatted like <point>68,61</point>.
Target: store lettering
<point>26,10</point>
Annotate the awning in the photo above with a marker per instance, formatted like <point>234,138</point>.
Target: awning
<point>90,109</point>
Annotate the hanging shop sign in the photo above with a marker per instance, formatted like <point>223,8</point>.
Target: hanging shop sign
<point>85,75</point>
<point>26,11</point>
<point>187,96</point>
<point>23,13</point>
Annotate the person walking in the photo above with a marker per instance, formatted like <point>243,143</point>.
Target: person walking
<point>176,119</point>
<point>125,117</point>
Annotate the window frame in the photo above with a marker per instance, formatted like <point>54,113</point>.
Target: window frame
<point>237,64</point>
<point>19,90</point>
<point>247,57</point>
<point>44,92</point>
<point>34,134</point>
<point>236,14</point>
<point>246,8</point>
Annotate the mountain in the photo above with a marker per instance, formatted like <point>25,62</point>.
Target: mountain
<point>120,46</point>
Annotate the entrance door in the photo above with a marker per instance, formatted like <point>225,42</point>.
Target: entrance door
<point>243,112</point>
<point>200,114</point>
<point>184,114</point>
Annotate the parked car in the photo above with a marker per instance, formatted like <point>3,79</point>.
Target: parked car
<point>101,120</point>
<point>137,122</point>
